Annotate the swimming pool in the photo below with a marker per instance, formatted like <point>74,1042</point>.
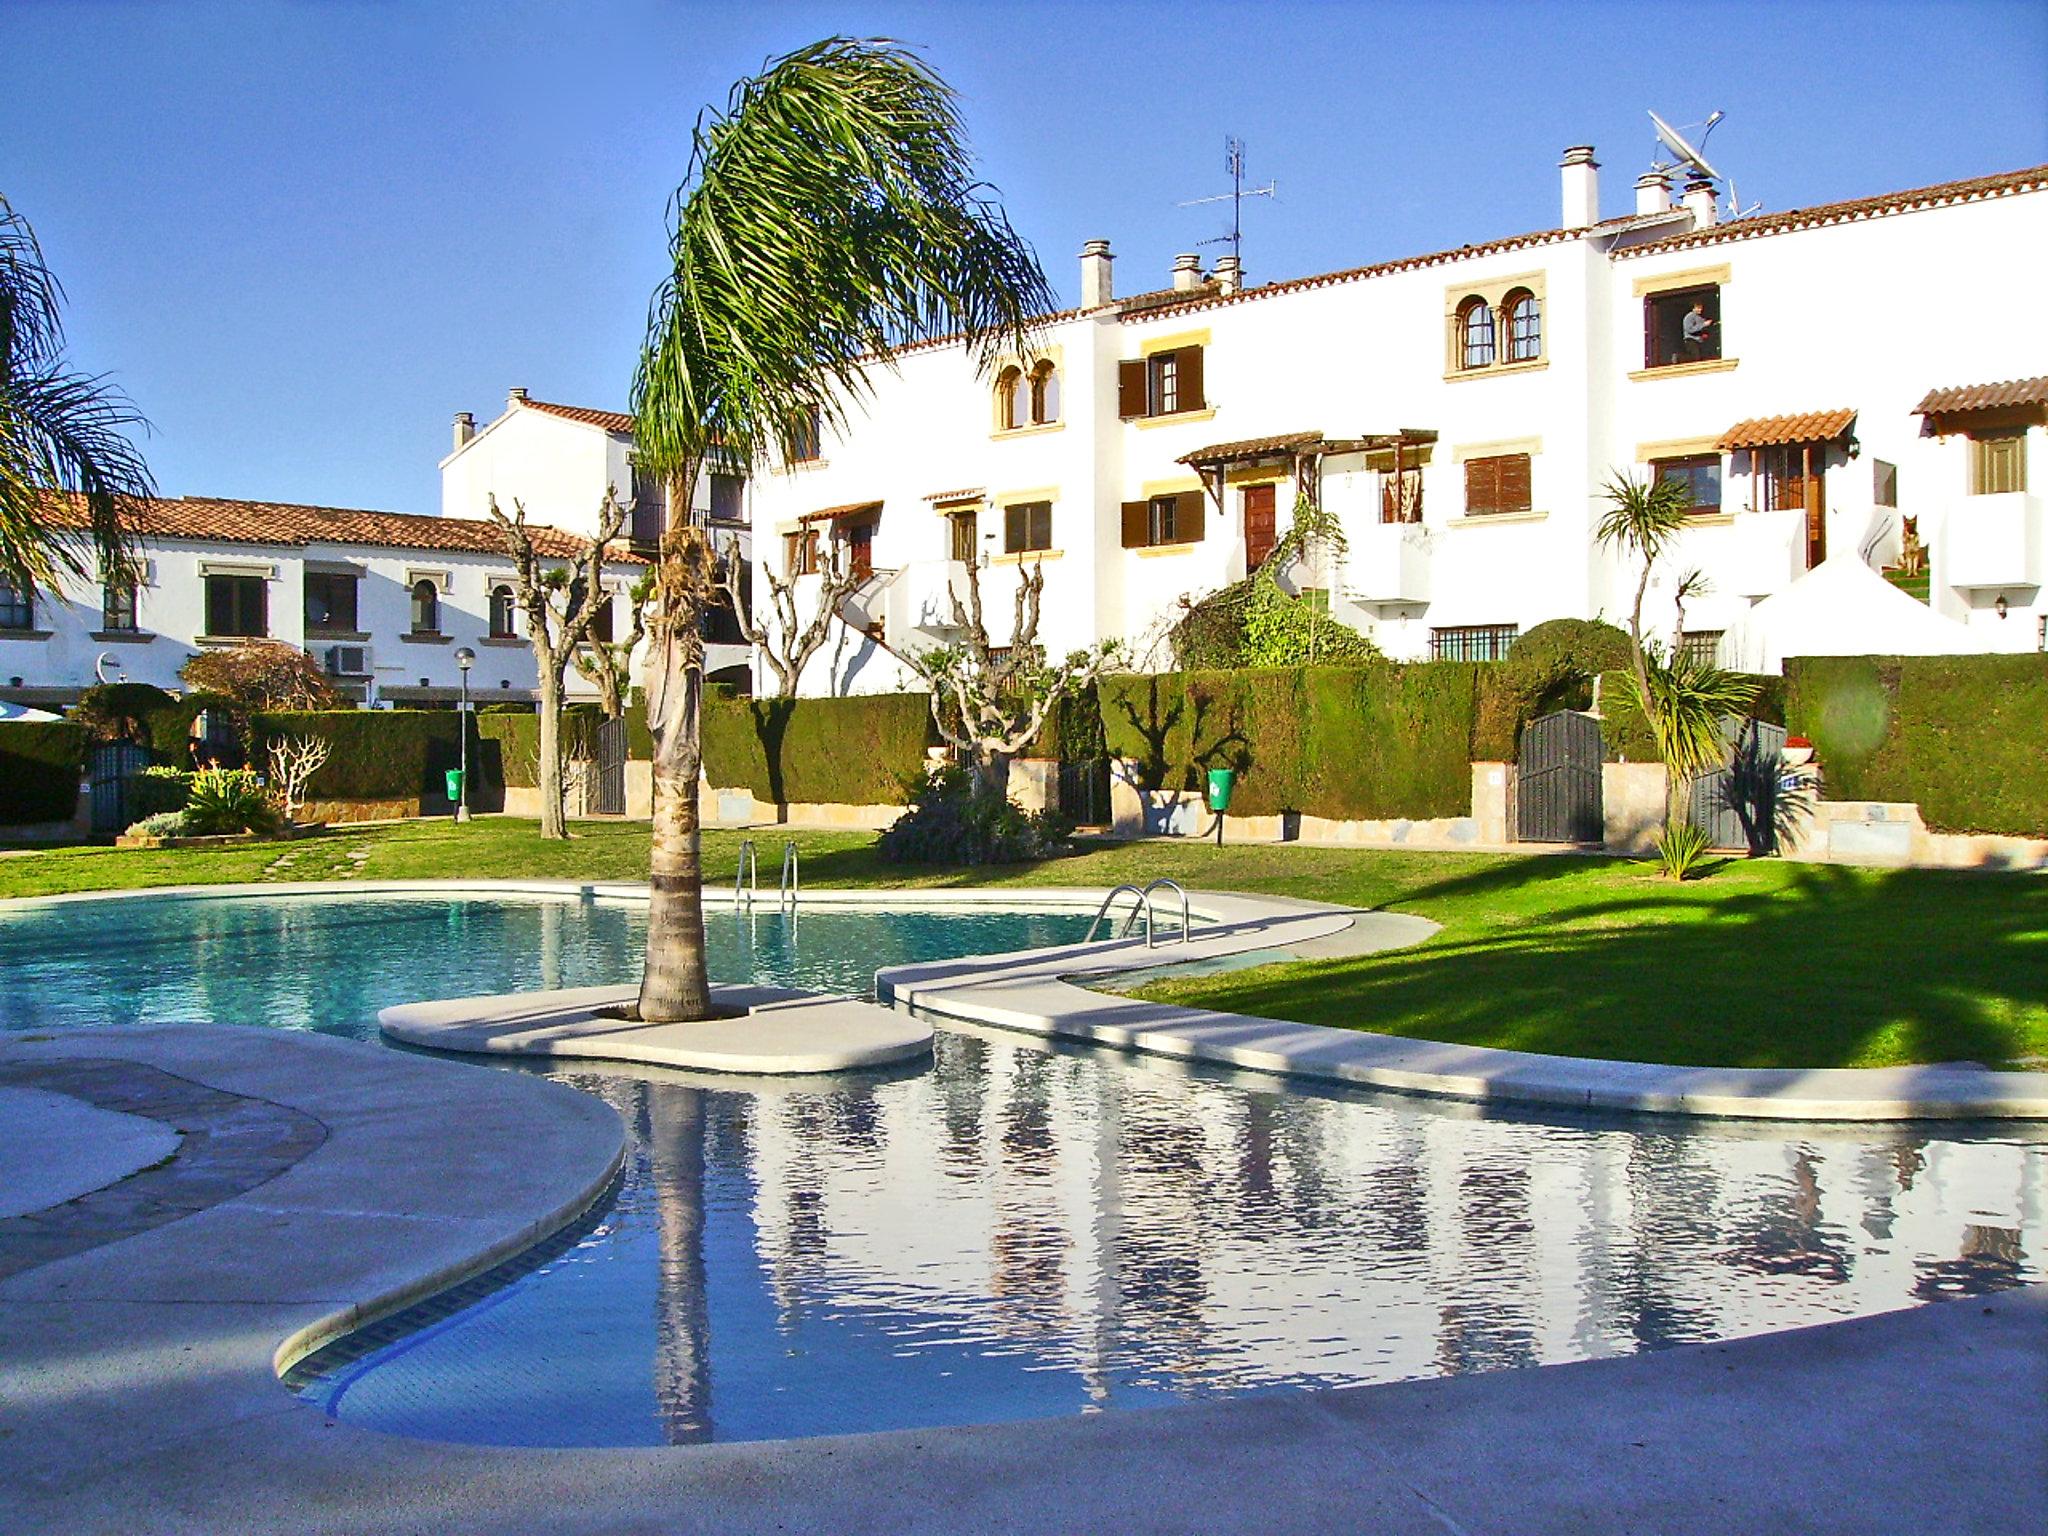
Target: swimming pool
<point>1022,1229</point>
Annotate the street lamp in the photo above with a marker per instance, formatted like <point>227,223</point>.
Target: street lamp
<point>465,658</point>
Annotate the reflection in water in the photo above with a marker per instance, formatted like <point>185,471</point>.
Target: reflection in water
<point>1026,1230</point>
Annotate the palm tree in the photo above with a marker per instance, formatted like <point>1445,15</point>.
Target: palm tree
<point>61,432</point>
<point>830,217</point>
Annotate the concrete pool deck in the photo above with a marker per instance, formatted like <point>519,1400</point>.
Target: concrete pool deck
<point>138,1376</point>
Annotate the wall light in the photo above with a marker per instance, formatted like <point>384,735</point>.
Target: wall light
<point>2000,605</point>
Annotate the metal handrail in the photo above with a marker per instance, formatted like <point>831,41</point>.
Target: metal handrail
<point>749,861</point>
<point>792,878</point>
<point>1179,890</point>
<point>1103,911</point>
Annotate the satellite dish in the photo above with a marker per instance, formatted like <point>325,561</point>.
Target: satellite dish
<point>1674,141</point>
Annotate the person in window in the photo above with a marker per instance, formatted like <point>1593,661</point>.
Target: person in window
<point>1696,326</point>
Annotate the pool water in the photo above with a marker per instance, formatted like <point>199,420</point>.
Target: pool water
<point>1019,1229</point>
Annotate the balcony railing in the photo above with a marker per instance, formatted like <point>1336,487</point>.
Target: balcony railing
<point>1387,563</point>
<point>1993,541</point>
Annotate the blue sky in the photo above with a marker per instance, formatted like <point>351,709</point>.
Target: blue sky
<point>301,235</point>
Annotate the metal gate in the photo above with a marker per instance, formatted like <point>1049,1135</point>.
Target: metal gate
<point>1740,805</point>
<point>1557,783</point>
<point>113,768</point>
<point>608,769</point>
<point>1084,791</point>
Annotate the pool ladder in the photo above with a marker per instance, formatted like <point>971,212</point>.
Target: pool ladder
<point>1142,907</point>
<point>746,880</point>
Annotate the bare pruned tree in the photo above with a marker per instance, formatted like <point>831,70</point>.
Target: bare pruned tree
<point>609,663</point>
<point>560,591</point>
<point>787,641</point>
<point>293,762</point>
<point>990,702</point>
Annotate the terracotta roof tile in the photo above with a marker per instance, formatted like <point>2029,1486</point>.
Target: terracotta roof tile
<point>212,519</point>
<point>1251,448</point>
<point>2032,179</point>
<point>1805,427</point>
<point>611,421</point>
<point>968,493</point>
<point>1984,397</point>
<point>846,510</point>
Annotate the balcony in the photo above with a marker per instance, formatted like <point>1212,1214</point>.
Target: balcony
<point>921,597</point>
<point>1766,551</point>
<point>1388,563</point>
<point>1993,541</point>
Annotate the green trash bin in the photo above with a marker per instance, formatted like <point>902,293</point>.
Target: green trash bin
<point>1221,781</point>
<point>455,786</point>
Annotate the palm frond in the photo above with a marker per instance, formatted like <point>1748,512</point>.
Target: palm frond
<point>831,217</point>
<point>1643,517</point>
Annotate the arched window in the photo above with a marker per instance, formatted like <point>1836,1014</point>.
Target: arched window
<point>1524,314</point>
<point>426,608</point>
<point>1475,334</point>
<point>1010,399</point>
<point>501,612</point>
<point>1045,393</point>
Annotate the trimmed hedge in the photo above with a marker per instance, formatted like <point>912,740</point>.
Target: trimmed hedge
<point>1349,743</point>
<point>515,735</point>
<point>40,765</point>
<point>853,751</point>
<point>381,754</point>
<point>1964,736</point>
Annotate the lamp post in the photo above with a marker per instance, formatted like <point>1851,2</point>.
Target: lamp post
<point>465,658</point>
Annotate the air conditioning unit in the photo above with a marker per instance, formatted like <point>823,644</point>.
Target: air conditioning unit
<point>348,661</point>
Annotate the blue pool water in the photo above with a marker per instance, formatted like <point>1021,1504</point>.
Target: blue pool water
<point>1019,1229</point>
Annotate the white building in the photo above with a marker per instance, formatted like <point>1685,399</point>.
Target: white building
<point>382,600</point>
<point>1461,411</point>
<point>559,460</point>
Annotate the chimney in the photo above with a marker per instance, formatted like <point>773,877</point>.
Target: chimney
<point>1653,192</point>
<point>1187,272</point>
<point>465,427</point>
<point>1229,274</point>
<point>1699,197</point>
<point>514,397</point>
<point>1096,288</point>
<point>1581,187</point>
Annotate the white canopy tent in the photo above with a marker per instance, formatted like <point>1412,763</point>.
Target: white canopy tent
<point>1840,608</point>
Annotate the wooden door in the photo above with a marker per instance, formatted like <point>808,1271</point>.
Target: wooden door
<point>1259,532</point>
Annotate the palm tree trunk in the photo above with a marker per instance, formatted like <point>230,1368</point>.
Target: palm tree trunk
<point>554,823</point>
<point>674,987</point>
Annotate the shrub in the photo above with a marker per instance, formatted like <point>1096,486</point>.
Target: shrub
<point>159,789</point>
<point>1966,737</point>
<point>159,824</point>
<point>120,711</point>
<point>262,674</point>
<point>947,823</point>
<point>228,800</point>
<point>40,765</point>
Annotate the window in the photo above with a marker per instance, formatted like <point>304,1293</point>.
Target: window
<point>501,612</point>
<point>601,622</point>
<point>1472,642</point>
<point>800,553</point>
<point>1682,326</point>
<point>1163,384</point>
<point>330,602</point>
<point>1498,483</point>
<point>1174,519</point>
<point>857,540</point>
<point>806,436</point>
<point>1524,313</point>
<point>1010,400</point>
<point>426,608</point>
<point>1475,334</point>
<point>961,528</point>
<point>1700,474</point>
<point>1026,526</point>
<point>117,604</point>
<point>1045,393</point>
<point>728,497</point>
<point>1700,645</point>
<point>1998,461</point>
<point>235,606</point>
<point>1401,494</point>
<point>650,507</point>
<point>17,607</point>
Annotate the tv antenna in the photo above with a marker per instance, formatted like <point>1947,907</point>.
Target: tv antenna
<point>1693,157</point>
<point>1233,162</point>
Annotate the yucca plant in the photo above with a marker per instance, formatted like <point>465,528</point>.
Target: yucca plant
<point>228,800</point>
<point>1680,848</point>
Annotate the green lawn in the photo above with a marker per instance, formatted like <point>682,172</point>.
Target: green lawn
<point>1763,964</point>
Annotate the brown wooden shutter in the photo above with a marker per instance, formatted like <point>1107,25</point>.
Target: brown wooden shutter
<point>1137,518</point>
<point>1650,359</point>
<point>1482,486</point>
<point>1015,528</point>
<point>1514,483</point>
<point>1130,388</point>
<point>1190,361</point>
<point>1188,516</point>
